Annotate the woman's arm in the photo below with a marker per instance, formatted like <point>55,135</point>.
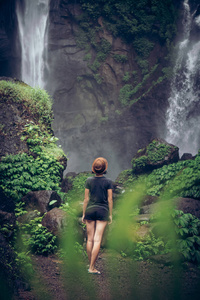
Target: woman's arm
<point>85,203</point>
<point>110,205</point>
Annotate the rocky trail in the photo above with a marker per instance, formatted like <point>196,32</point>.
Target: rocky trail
<point>121,278</point>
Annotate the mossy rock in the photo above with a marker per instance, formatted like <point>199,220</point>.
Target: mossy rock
<point>157,154</point>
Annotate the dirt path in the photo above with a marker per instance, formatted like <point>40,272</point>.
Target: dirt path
<point>121,278</point>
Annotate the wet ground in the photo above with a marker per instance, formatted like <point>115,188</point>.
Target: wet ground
<point>120,278</point>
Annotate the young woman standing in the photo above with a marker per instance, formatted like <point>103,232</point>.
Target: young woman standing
<point>97,209</point>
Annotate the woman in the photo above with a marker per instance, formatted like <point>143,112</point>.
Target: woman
<point>97,209</point>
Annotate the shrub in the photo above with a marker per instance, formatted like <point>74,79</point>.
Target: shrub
<point>40,240</point>
<point>187,228</point>
<point>143,46</point>
<point>126,77</point>
<point>125,94</point>
<point>181,179</point>
<point>120,58</point>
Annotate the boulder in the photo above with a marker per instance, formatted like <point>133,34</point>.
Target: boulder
<point>157,154</point>
<point>186,156</point>
<point>41,201</point>
<point>189,205</point>
<point>55,221</point>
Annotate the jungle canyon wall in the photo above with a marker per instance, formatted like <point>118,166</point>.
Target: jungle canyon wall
<point>108,100</point>
<point>109,74</point>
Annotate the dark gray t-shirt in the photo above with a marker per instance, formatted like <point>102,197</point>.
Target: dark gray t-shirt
<point>98,187</point>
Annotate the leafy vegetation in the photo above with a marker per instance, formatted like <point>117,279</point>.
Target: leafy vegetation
<point>182,178</point>
<point>41,170</point>
<point>36,238</point>
<point>132,19</point>
<point>140,24</point>
<point>35,100</point>
<point>128,90</point>
<point>186,230</point>
<point>21,173</point>
<point>120,58</point>
<point>155,152</point>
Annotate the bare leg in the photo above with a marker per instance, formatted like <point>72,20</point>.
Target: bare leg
<point>90,237</point>
<point>99,230</point>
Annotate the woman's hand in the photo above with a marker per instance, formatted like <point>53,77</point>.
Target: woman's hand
<point>83,219</point>
<point>110,220</point>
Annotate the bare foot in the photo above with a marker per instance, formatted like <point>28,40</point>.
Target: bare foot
<point>94,271</point>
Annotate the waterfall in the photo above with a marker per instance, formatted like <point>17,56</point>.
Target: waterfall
<point>32,18</point>
<point>183,120</point>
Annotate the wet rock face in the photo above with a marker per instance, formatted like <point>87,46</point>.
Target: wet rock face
<point>89,119</point>
<point>12,122</point>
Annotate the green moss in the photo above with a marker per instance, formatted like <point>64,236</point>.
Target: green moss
<point>121,58</point>
<point>126,178</point>
<point>126,77</point>
<point>139,163</point>
<point>127,91</point>
<point>98,78</point>
<point>40,169</point>
<point>104,119</point>
<point>36,100</point>
<point>143,46</point>
<point>157,151</point>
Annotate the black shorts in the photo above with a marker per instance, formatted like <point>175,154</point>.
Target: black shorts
<point>97,213</point>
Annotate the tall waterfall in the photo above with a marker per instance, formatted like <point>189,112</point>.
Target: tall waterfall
<point>183,117</point>
<point>32,21</point>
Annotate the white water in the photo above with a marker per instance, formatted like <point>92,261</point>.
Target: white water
<point>32,21</point>
<point>183,128</point>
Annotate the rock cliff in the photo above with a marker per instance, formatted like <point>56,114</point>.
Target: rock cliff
<point>108,72</point>
<point>106,101</point>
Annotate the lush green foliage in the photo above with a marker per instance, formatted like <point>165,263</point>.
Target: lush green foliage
<point>120,58</point>
<point>181,179</point>
<point>37,238</point>
<point>40,141</point>
<point>129,90</point>
<point>140,24</point>
<point>35,100</point>
<point>151,245</point>
<point>21,173</point>
<point>133,19</point>
<point>126,178</point>
<point>187,228</point>
<point>155,152</point>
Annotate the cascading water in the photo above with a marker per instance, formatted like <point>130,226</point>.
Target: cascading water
<point>32,21</point>
<point>183,120</point>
